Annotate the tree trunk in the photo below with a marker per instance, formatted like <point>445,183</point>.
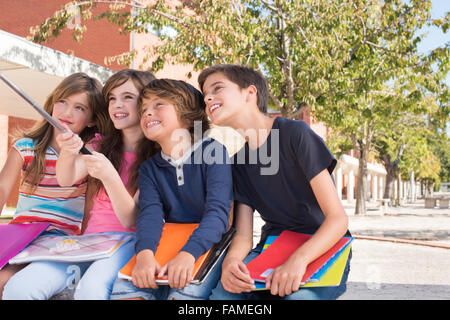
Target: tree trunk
<point>361,186</point>
<point>391,169</point>
<point>412,187</point>
<point>390,177</point>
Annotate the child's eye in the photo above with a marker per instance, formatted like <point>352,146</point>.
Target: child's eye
<point>129,97</point>
<point>79,108</point>
<point>217,88</point>
<point>62,101</point>
<point>111,98</point>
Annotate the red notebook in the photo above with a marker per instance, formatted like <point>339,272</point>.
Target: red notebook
<point>14,237</point>
<point>282,248</point>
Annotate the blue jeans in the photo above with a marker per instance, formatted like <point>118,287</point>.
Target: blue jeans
<point>124,289</point>
<point>315,293</point>
<point>92,280</point>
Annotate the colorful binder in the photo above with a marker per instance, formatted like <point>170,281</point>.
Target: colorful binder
<point>87,247</point>
<point>174,236</point>
<point>15,237</point>
<point>282,248</point>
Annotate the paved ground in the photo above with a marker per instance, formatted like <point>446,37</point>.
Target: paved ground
<point>387,270</point>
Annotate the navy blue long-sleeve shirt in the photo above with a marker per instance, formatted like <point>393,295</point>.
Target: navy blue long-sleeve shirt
<point>197,188</point>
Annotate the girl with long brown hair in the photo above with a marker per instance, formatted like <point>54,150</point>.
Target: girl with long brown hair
<point>78,103</point>
<point>112,169</point>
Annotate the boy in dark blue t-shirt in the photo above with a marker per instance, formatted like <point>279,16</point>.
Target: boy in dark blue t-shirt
<point>284,172</point>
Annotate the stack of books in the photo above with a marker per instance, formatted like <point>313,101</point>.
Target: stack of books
<point>174,236</point>
<point>326,270</point>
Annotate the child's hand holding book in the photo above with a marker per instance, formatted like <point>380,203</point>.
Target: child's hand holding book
<point>145,271</point>
<point>179,270</point>
<point>286,278</point>
<point>235,276</point>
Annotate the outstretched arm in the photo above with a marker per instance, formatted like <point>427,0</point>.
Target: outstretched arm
<point>70,168</point>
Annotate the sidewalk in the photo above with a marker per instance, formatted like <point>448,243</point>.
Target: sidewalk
<point>388,270</point>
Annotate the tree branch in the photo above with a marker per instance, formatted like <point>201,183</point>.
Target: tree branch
<point>286,63</point>
<point>385,49</point>
<point>293,115</point>
<point>134,4</point>
<point>274,98</point>
<point>303,34</point>
<point>271,7</point>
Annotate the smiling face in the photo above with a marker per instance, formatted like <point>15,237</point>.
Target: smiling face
<point>224,99</point>
<point>159,119</point>
<point>122,106</point>
<point>74,111</point>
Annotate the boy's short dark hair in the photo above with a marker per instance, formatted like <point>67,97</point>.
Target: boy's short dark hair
<point>243,77</point>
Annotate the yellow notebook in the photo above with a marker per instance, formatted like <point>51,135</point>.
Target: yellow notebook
<point>334,274</point>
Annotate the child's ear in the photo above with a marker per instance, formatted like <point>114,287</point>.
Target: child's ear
<point>252,92</point>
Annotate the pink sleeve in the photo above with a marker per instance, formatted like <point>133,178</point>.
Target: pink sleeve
<point>94,143</point>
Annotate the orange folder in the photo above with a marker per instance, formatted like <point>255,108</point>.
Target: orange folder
<point>174,236</point>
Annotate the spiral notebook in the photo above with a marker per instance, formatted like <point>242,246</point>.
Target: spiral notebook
<point>79,248</point>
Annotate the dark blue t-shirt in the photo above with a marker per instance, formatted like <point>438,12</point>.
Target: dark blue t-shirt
<point>275,178</point>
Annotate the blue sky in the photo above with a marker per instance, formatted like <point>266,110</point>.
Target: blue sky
<point>435,37</point>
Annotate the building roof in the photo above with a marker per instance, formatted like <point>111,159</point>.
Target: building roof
<point>37,70</point>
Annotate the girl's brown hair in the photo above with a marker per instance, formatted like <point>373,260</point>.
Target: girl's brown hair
<point>112,143</point>
<point>42,131</point>
<point>188,101</point>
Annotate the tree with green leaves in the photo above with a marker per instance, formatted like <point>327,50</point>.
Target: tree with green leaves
<point>333,57</point>
<point>419,159</point>
<point>404,150</point>
<point>441,148</point>
<point>387,78</point>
